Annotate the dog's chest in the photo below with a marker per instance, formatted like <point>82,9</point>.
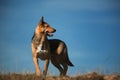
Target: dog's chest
<point>45,52</point>
<point>43,56</point>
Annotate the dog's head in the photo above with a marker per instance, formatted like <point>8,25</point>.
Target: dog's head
<point>44,27</point>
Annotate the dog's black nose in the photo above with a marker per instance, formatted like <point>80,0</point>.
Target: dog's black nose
<point>54,30</point>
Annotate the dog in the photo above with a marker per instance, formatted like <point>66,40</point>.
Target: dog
<point>49,49</point>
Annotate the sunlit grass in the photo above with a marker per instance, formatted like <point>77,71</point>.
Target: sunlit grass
<point>32,76</point>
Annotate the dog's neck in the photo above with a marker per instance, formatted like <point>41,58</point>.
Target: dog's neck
<point>42,37</point>
<point>43,40</point>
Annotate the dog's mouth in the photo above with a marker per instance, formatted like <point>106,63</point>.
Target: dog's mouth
<point>49,34</point>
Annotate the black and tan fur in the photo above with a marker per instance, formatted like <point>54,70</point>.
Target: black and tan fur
<point>56,50</point>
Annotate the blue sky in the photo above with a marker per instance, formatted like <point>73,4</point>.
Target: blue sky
<point>90,28</point>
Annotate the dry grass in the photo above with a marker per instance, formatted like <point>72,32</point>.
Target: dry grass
<point>89,76</point>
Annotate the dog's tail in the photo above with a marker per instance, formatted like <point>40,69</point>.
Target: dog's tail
<point>69,63</point>
<point>68,60</point>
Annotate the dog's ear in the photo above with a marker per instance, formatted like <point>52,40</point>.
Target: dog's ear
<point>41,21</point>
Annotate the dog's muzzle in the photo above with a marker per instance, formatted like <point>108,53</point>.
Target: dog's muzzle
<point>50,33</point>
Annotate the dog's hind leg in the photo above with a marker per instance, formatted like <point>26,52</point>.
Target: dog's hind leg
<point>60,69</point>
<point>65,68</point>
<point>57,65</point>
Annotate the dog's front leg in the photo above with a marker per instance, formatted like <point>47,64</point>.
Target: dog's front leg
<point>38,71</point>
<point>46,64</point>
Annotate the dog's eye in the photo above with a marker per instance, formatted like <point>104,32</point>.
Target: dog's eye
<point>42,26</point>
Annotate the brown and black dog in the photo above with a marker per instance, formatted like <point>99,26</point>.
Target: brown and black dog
<point>49,49</point>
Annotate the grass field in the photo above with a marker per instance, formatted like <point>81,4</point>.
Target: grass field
<point>88,76</point>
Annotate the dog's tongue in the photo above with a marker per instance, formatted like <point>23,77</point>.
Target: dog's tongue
<point>50,34</point>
